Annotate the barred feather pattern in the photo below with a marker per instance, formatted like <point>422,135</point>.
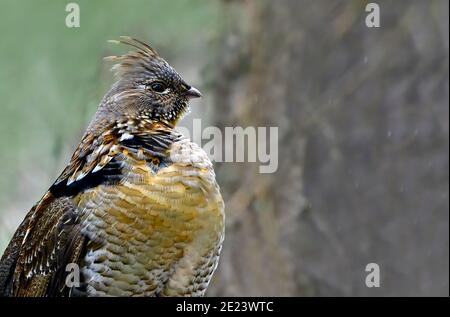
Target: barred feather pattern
<point>158,236</point>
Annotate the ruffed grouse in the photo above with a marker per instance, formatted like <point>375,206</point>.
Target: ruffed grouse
<point>137,209</point>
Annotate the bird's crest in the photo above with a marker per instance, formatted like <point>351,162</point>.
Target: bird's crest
<point>143,59</point>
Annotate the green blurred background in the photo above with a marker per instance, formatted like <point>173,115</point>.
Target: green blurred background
<point>363,118</point>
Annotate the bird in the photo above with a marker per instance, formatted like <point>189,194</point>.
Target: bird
<point>137,211</point>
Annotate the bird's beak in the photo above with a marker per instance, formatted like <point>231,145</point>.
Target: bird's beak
<point>193,93</point>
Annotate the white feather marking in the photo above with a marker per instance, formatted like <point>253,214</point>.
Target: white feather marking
<point>80,176</point>
<point>26,235</point>
<point>70,180</point>
<point>125,136</point>
<point>99,149</point>
<point>97,168</point>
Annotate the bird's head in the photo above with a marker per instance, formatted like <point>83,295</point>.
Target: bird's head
<point>147,86</point>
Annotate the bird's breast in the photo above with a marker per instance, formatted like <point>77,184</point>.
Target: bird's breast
<point>141,228</point>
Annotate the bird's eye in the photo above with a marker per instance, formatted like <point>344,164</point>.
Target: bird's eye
<point>158,87</point>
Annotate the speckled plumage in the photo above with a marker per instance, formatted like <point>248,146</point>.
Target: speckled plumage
<point>137,208</point>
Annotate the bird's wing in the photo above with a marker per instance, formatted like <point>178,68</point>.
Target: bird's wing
<point>50,236</point>
<point>35,261</point>
<point>92,155</point>
<point>97,160</point>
